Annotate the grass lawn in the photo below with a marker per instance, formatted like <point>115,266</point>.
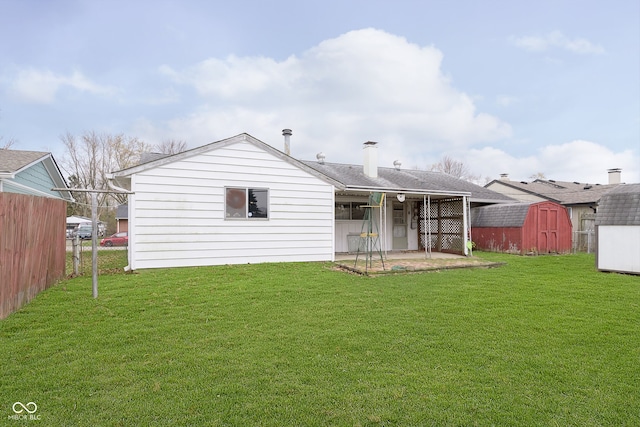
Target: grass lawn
<point>540,341</point>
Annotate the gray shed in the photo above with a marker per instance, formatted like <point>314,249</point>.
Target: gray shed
<point>618,230</point>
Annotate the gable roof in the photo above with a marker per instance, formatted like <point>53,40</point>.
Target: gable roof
<point>12,162</point>
<point>243,137</point>
<point>563,192</point>
<point>122,212</point>
<point>500,215</point>
<point>620,206</point>
<point>407,180</point>
<point>344,176</point>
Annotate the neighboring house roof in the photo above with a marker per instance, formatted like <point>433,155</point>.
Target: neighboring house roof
<point>32,172</point>
<point>563,192</point>
<point>500,215</point>
<point>406,180</point>
<point>122,212</point>
<point>77,219</point>
<point>620,206</point>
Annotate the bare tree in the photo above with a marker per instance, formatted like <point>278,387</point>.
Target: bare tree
<point>455,168</point>
<point>538,175</point>
<point>6,145</point>
<point>170,146</point>
<point>91,157</point>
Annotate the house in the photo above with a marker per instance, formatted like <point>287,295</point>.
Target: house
<point>32,237</point>
<point>522,228</point>
<point>240,200</point>
<point>580,199</point>
<point>122,218</point>
<point>33,173</point>
<point>618,230</point>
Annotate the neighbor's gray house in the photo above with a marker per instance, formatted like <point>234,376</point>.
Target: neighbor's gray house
<point>33,173</point>
<point>618,230</point>
<point>240,200</point>
<point>580,199</point>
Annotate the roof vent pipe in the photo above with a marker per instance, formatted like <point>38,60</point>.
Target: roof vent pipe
<point>371,159</point>
<point>287,145</point>
<point>320,156</point>
<point>615,176</point>
<point>397,164</point>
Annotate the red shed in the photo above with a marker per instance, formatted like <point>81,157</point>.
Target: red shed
<point>521,228</point>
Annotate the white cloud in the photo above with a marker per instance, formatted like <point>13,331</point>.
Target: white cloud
<point>363,85</point>
<point>41,86</point>
<point>506,100</point>
<point>556,39</point>
<point>579,160</point>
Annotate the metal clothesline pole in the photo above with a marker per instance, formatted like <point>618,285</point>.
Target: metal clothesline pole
<point>94,229</point>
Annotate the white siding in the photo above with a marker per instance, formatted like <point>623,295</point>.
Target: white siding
<point>515,193</point>
<point>179,212</point>
<point>619,248</point>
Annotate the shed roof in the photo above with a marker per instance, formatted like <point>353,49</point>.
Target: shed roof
<point>620,206</point>
<point>500,215</point>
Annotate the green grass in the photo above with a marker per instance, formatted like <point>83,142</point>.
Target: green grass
<point>109,261</point>
<point>542,341</point>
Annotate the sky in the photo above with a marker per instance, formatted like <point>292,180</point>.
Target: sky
<point>548,87</point>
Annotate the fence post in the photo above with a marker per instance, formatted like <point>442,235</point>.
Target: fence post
<point>75,254</point>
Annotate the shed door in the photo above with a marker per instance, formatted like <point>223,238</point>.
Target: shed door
<point>547,230</point>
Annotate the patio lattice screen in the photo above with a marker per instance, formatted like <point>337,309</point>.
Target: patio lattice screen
<point>445,220</point>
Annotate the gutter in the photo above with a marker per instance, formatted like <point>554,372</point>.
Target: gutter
<point>408,190</point>
<point>114,187</point>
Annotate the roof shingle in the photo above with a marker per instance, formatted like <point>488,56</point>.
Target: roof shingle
<point>620,206</point>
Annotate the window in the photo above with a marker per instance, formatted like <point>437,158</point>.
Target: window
<point>246,203</point>
<point>350,210</point>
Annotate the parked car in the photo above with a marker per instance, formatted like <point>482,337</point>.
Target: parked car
<point>118,239</point>
<point>84,231</point>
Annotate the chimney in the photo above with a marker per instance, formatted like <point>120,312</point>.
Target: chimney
<point>504,177</point>
<point>287,146</point>
<point>371,159</point>
<point>615,175</point>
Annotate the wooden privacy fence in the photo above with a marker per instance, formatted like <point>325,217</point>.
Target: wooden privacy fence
<point>32,247</point>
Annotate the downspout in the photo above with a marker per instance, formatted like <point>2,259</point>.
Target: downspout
<point>114,187</point>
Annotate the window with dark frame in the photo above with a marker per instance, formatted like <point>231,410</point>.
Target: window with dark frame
<point>246,203</point>
<point>349,210</point>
